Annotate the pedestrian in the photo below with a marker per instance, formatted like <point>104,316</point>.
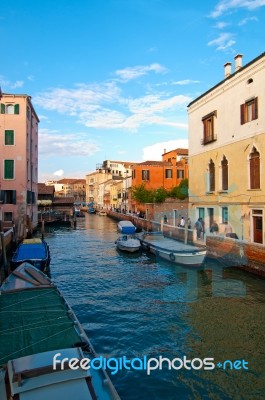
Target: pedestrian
<point>182,223</point>
<point>165,219</point>
<point>228,229</point>
<point>198,227</point>
<point>214,228</point>
<point>203,227</point>
<point>189,223</point>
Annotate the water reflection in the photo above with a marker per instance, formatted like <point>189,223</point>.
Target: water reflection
<point>134,305</point>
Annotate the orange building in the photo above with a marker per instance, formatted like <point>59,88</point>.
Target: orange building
<point>167,173</point>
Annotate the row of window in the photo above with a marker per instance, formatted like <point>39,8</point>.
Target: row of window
<point>248,112</point>
<point>168,174</point>
<point>9,108</point>
<point>254,172</point>
<point>9,170</point>
<point>10,197</point>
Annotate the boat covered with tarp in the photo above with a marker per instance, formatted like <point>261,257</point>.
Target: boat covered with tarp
<point>126,227</point>
<point>37,323</point>
<point>34,251</point>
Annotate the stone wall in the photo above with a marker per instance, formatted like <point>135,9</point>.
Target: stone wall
<point>233,252</point>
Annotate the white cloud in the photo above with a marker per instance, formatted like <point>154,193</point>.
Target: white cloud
<point>185,82</point>
<point>130,73</point>
<point>225,6</point>
<point>59,173</point>
<point>53,143</point>
<point>6,84</point>
<point>101,106</point>
<point>221,25</point>
<point>155,151</point>
<point>246,20</point>
<point>223,42</point>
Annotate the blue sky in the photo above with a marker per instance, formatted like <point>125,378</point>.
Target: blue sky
<point>111,79</point>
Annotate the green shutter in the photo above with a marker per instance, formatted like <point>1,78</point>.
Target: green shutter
<point>9,169</point>
<point>9,137</point>
<point>2,196</point>
<point>3,108</point>
<point>16,109</point>
<point>14,197</point>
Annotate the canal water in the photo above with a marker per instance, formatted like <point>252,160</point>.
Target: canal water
<point>143,308</point>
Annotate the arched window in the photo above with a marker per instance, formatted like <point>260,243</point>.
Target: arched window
<point>254,169</point>
<point>211,176</point>
<point>224,166</point>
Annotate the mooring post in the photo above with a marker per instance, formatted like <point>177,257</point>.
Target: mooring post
<point>4,259</point>
<point>42,229</point>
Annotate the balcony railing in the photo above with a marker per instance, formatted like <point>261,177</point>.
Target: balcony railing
<point>209,139</point>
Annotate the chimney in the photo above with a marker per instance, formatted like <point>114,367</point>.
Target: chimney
<point>228,68</point>
<point>238,61</point>
<point>165,151</point>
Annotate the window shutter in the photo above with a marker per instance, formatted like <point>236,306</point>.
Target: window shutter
<point>16,109</point>
<point>9,169</point>
<point>14,197</point>
<point>9,137</point>
<point>2,196</point>
<point>242,113</point>
<point>3,108</point>
<point>225,175</point>
<point>255,114</point>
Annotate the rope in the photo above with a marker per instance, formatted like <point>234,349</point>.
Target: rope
<point>33,344</point>
<point>28,299</point>
<point>26,327</point>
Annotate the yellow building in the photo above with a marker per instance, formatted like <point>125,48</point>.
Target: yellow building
<point>227,152</point>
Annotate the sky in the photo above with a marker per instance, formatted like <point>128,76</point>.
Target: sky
<point>111,79</point>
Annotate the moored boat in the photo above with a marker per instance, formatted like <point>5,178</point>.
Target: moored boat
<point>172,250</point>
<point>35,251</point>
<point>38,330</point>
<point>128,243</point>
<point>126,227</point>
<point>102,212</point>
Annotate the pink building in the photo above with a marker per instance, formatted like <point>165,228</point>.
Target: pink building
<point>19,162</point>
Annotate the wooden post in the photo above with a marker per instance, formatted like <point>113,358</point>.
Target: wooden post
<point>162,224</point>
<point>42,229</point>
<point>4,259</point>
<point>186,233</point>
<point>14,236</point>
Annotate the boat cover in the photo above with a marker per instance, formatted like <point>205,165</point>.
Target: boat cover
<point>30,251</point>
<point>34,321</point>
<point>126,227</point>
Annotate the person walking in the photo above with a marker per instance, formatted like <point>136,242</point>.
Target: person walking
<point>214,228</point>
<point>198,227</point>
<point>182,223</point>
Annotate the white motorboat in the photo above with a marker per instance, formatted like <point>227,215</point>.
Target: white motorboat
<point>172,250</point>
<point>128,243</point>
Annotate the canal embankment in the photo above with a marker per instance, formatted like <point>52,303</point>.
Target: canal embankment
<point>231,252</point>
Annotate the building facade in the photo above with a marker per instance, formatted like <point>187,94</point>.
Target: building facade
<point>167,173</point>
<point>19,166</point>
<point>227,152</point>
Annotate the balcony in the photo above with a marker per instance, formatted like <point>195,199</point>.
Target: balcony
<point>209,139</point>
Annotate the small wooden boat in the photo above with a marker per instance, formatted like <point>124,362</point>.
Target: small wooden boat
<point>172,250</point>
<point>128,243</point>
<point>35,251</point>
<point>37,327</point>
<point>102,212</point>
<point>126,227</point>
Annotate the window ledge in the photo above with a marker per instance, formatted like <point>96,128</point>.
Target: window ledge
<point>222,191</point>
<point>254,190</point>
<point>210,192</point>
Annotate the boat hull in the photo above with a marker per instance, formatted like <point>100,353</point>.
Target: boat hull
<point>41,327</point>
<point>191,256</point>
